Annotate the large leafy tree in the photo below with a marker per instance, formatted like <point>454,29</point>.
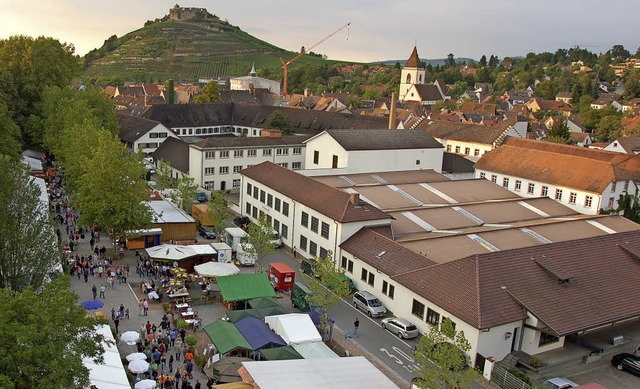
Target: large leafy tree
<point>9,134</point>
<point>217,210</point>
<point>45,335</point>
<point>260,241</point>
<point>279,122</point>
<point>29,247</point>
<point>559,132</point>
<point>185,186</point>
<point>328,286</point>
<point>441,358</point>
<point>210,93</point>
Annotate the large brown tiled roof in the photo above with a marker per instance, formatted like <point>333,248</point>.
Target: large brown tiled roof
<point>484,109</point>
<point>132,127</point>
<point>569,166</point>
<point>216,142</point>
<point>353,140</point>
<point>383,253</point>
<point>413,61</point>
<point>428,92</point>
<point>566,285</point>
<point>327,200</point>
<point>465,132</point>
<point>552,105</point>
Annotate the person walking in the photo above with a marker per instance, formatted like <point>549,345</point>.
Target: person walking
<point>102,289</point>
<point>94,291</point>
<point>117,322</point>
<point>145,306</point>
<point>356,326</point>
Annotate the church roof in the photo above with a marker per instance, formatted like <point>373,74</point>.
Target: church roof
<point>413,61</point>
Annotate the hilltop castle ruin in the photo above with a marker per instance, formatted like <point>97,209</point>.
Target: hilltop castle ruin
<point>184,14</point>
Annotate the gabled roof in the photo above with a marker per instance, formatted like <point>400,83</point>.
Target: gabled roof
<point>483,109</point>
<point>413,61</point>
<point>329,201</point>
<point>218,142</point>
<point>133,127</point>
<point>466,132</point>
<point>428,92</point>
<point>130,90</point>
<point>358,140</point>
<point>175,152</point>
<point>551,105</point>
<point>630,144</point>
<point>560,283</point>
<point>564,165</point>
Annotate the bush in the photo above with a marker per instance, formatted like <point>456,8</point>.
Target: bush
<point>191,341</point>
<point>521,375</point>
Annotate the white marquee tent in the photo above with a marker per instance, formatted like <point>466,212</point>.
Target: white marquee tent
<point>216,269</point>
<point>111,374</point>
<point>174,252</point>
<point>294,328</point>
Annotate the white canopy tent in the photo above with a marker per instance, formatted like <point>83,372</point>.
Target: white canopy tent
<point>216,269</point>
<point>294,328</point>
<point>111,374</point>
<point>314,350</point>
<point>174,252</point>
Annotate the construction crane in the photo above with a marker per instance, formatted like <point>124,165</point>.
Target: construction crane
<point>285,65</point>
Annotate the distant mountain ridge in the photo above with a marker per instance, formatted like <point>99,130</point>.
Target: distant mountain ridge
<point>432,62</point>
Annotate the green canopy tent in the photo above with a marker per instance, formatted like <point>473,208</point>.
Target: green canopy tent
<point>263,302</point>
<point>280,353</point>
<point>226,337</point>
<point>244,287</point>
<point>259,313</point>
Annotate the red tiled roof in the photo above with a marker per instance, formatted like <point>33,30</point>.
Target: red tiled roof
<point>323,198</point>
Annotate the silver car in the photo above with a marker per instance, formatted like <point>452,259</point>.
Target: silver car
<point>368,303</point>
<point>401,327</point>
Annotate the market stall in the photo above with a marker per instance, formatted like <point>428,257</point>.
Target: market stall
<point>181,256</point>
<point>258,334</point>
<point>235,290</point>
<point>294,328</point>
<point>226,337</point>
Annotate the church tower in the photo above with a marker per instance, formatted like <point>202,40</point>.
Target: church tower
<point>412,74</point>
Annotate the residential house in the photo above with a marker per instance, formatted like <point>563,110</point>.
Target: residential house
<point>565,97</point>
<point>140,134</point>
<point>603,103</point>
<point>632,105</point>
<point>625,144</point>
<point>516,97</point>
<point>581,139</point>
<point>585,180</point>
<point>175,152</point>
<point>359,151</point>
<point>551,106</point>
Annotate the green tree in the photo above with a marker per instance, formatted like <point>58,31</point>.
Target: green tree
<point>170,97</point>
<point>632,84</point>
<point>279,122</point>
<point>45,335</point>
<point>559,131</point>
<point>483,61</point>
<point>10,144</point>
<point>217,210</point>
<point>185,187</point>
<point>210,93</point>
<point>260,242</point>
<point>609,128</point>
<point>28,248</point>
<point>629,207</point>
<point>442,360</point>
<point>328,286</point>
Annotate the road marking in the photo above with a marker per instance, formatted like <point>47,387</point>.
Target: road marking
<point>402,354</point>
<point>134,293</point>
<point>398,361</point>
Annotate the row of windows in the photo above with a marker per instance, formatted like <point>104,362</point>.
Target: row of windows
<point>544,190</point>
<point>368,276</point>
<point>147,145</point>
<point>311,247</point>
<point>210,185</point>
<point>252,210</point>
<point>209,130</point>
<point>467,150</point>
<point>313,226</point>
<point>432,317</point>
<point>269,200</point>
<point>154,135</point>
<point>250,153</point>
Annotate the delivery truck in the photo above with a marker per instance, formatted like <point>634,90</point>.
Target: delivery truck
<point>233,236</point>
<point>223,252</point>
<point>299,293</point>
<point>281,276</point>
<point>245,258</point>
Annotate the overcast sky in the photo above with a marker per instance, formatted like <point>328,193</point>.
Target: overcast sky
<point>380,30</point>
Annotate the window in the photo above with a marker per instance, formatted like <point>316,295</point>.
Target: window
<point>247,209</point>
<point>417,309</point>
<point>518,186</point>
<point>277,204</point>
<point>238,153</point>
<point>285,208</point>
<point>282,151</point>
<point>270,200</point>
<point>296,165</point>
<point>372,279</point>
<point>249,186</point>
<point>392,290</point>
<point>476,152</point>
<point>284,165</point>
<point>363,274</point>
<point>304,219</point>
<point>209,154</point>
<point>325,230</point>
<point>385,286</point>
<point>276,224</point>
<point>256,191</point>
<point>572,197</point>
<point>224,169</point>
<point>457,149</point>
<point>153,135</point>
<point>494,178</point>
<point>613,186</point>
<point>531,188</point>
<point>236,183</point>
<point>448,148</point>
<point>483,175</point>
<point>263,196</point>
<point>251,153</point>
<point>547,338</point>
<point>587,201</point>
<point>314,224</point>
<point>610,203</point>
<point>350,266</point>
<point>316,157</point>
<point>209,171</point>
<point>343,262</point>
<point>303,243</point>
<point>236,169</point>
<point>544,192</point>
<point>467,150</point>
<point>208,185</point>
<point>313,248</point>
<point>324,253</point>
<point>266,152</point>
<point>626,186</point>
<point>433,317</point>
<point>284,233</point>
<point>505,182</point>
<point>297,150</point>
<point>334,163</point>
<point>224,154</point>
<point>254,212</point>
<point>558,194</point>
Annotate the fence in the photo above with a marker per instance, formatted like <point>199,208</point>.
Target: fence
<point>506,380</point>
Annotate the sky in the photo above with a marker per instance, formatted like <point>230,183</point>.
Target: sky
<point>379,30</point>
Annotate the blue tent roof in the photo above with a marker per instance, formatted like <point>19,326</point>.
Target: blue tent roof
<point>258,333</point>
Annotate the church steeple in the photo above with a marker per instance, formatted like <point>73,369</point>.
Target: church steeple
<point>252,73</point>
<point>413,73</point>
<point>413,61</point>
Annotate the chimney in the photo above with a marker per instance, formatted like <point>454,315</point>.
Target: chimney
<point>306,92</point>
<point>392,112</point>
<point>354,198</point>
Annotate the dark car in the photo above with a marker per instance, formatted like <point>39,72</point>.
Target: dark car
<point>308,266</point>
<point>626,361</point>
<point>207,232</point>
<point>242,222</point>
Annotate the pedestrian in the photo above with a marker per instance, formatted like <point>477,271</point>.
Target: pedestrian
<point>117,322</point>
<point>102,289</point>
<point>141,306</point>
<point>145,305</point>
<point>183,333</point>
<point>94,291</point>
<point>177,376</point>
<point>189,368</point>
<point>198,385</point>
<point>295,252</point>
<point>121,310</point>
<point>126,313</point>
<point>113,313</point>
<point>172,337</point>
<point>171,363</point>
<point>356,326</point>
<point>86,274</point>
<point>148,327</point>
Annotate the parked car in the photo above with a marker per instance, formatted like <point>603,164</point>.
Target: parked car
<point>242,222</point>
<point>201,197</point>
<point>207,232</point>
<point>368,303</point>
<point>626,361</point>
<point>307,266</point>
<point>401,327</point>
<point>560,383</point>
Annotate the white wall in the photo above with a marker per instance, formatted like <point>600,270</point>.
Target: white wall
<point>160,133</point>
<point>531,338</point>
<point>395,160</point>
<point>327,147</point>
<point>450,146</point>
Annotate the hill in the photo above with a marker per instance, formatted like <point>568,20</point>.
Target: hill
<point>432,62</point>
<point>187,44</point>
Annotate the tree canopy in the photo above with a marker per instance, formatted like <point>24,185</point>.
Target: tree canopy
<point>210,93</point>
<point>279,122</point>
<point>260,242</point>
<point>217,210</point>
